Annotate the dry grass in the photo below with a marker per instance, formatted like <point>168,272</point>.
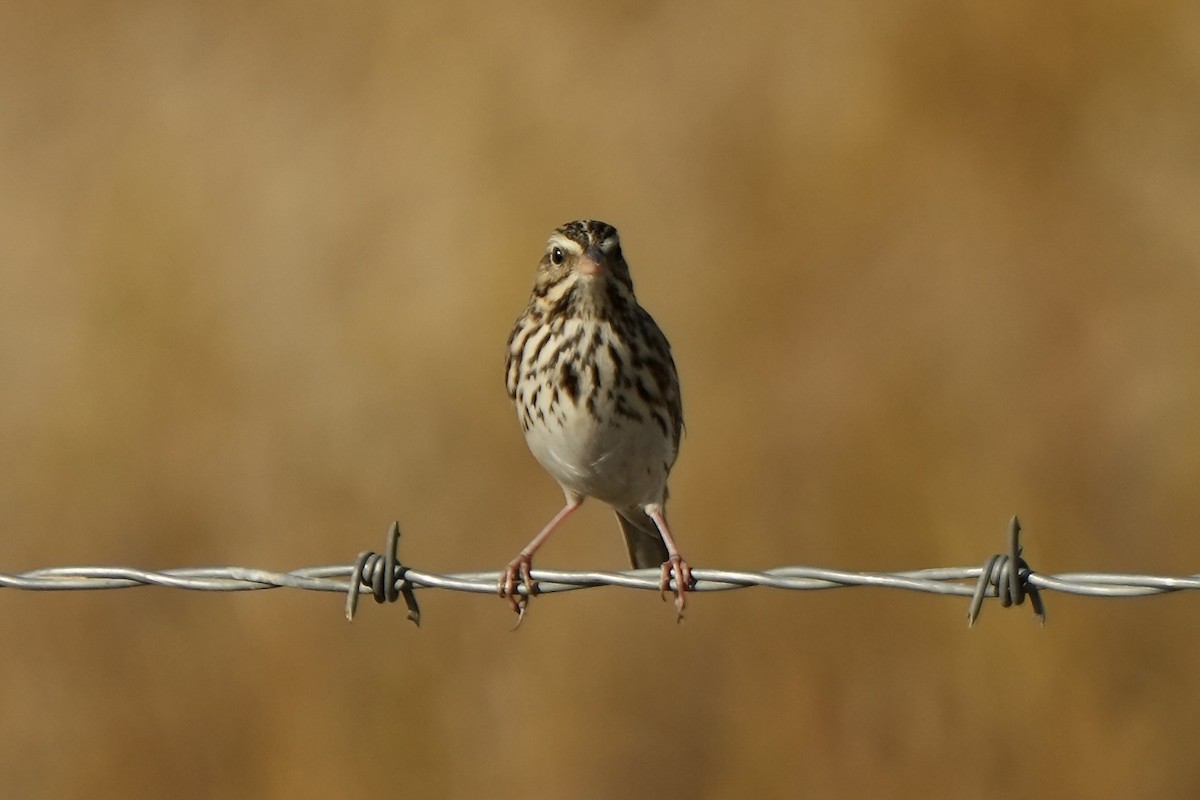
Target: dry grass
<point>922,266</point>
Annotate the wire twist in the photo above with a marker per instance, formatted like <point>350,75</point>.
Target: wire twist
<point>1009,576</point>
<point>384,576</point>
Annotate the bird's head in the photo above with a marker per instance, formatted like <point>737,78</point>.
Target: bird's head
<point>583,264</point>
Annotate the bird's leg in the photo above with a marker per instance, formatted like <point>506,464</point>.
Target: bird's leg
<point>674,565</point>
<point>518,569</point>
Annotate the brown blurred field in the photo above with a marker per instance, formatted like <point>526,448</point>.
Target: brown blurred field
<point>923,265</point>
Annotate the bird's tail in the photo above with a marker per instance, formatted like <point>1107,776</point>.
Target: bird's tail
<point>646,547</point>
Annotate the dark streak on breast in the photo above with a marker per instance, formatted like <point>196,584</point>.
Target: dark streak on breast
<point>569,379</point>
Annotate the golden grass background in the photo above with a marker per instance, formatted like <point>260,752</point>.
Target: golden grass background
<point>923,264</point>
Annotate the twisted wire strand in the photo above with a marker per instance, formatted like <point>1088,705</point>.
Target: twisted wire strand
<point>1006,577</point>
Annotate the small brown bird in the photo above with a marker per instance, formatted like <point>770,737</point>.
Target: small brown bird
<point>597,395</point>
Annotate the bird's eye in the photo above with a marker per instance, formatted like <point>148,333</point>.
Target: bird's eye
<point>557,256</point>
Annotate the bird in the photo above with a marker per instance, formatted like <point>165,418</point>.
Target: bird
<point>597,395</point>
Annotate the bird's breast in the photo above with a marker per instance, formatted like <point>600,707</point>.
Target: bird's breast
<point>589,417</point>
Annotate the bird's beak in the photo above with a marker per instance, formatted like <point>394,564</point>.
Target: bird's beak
<point>593,262</point>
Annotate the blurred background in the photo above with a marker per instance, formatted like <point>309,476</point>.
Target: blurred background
<point>923,265</point>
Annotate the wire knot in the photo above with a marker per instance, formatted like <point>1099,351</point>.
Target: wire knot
<point>1007,574</point>
<point>384,575</point>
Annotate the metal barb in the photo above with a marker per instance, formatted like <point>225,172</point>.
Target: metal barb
<point>1009,575</point>
<point>385,575</point>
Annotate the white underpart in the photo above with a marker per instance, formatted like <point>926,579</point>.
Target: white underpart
<point>621,461</point>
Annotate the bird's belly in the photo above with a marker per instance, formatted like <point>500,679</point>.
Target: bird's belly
<point>622,462</point>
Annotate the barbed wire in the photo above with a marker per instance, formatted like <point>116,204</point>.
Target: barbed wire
<point>1005,576</point>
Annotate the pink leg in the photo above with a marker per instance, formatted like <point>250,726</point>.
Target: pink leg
<point>518,568</point>
<point>674,565</point>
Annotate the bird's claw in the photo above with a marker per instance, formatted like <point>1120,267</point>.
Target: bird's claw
<point>518,572</point>
<point>676,567</point>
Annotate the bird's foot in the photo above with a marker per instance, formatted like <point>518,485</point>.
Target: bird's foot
<point>676,567</point>
<point>517,572</point>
